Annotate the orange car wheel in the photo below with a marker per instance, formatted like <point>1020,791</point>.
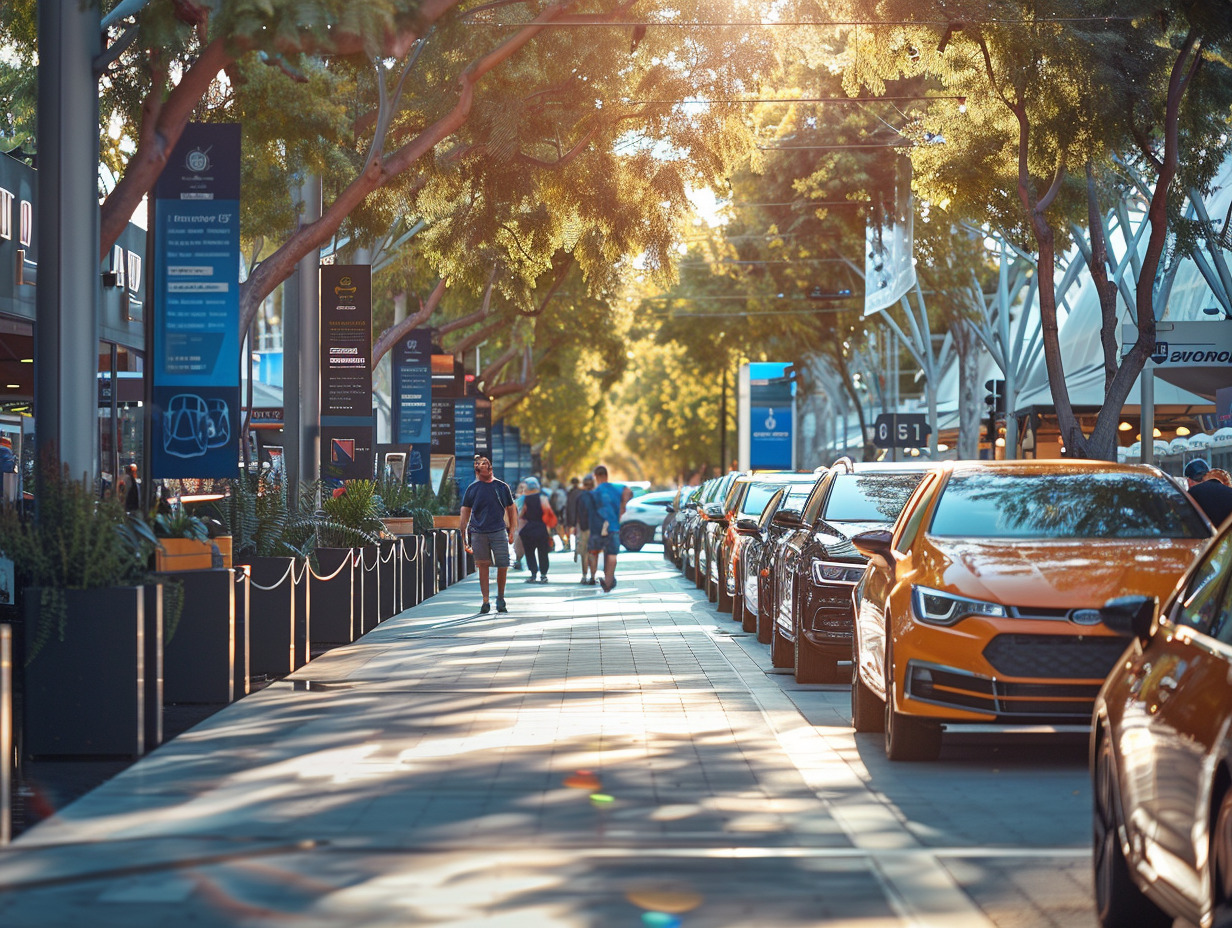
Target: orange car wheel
<point>906,738</point>
<point>1119,903</point>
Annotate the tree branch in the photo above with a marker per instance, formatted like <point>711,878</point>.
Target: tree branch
<point>561,274</point>
<point>390,336</point>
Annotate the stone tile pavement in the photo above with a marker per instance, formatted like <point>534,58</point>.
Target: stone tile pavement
<point>585,760</point>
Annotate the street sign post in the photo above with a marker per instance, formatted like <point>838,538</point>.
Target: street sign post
<point>901,430</point>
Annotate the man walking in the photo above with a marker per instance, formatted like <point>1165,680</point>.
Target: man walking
<point>488,518</point>
<point>583,514</point>
<point>610,500</point>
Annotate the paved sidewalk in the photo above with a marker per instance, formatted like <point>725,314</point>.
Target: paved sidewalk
<point>585,760</point>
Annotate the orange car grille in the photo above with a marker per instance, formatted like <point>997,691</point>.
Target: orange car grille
<point>1054,657</point>
<point>1009,702</point>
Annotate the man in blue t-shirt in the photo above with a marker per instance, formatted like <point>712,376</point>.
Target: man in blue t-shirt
<point>609,501</point>
<point>488,518</point>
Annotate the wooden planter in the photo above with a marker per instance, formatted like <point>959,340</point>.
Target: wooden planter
<point>199,659</point>
<point>331,598</point>
<point>185,554</point>
<point>85,695</point>
<point>399,525</point>
<point>271,616</point>
<point>447,522</point>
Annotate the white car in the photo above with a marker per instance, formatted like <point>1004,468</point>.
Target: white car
<point>643,519</point>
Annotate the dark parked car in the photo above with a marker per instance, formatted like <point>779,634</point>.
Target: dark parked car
<point>1161,760</point>
<point>712,521</point>
<point>757,556</point>
<point>746,499</point>
<point>688,529</point>
<point>816,567</point>
<point>670,521</point>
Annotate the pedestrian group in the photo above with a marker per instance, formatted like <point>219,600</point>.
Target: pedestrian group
<point>585,519</point>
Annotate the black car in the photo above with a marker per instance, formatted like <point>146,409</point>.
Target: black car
<point>670,522</point>
<point>816,567</point>
<point>747,499</point>
<point>687,530</point>
<point>757,557</point>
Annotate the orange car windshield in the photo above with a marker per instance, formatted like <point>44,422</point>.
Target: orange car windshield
<point>1064,506</point>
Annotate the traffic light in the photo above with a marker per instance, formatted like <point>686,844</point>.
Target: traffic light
<point>994,401</point>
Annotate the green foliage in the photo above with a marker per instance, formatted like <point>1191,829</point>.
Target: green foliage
<point>352,518</point>
<point>78,542</point>
<point>180,524</point>
<point>399,498</point>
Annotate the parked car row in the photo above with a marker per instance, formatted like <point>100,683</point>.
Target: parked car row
<point>1001,594</point>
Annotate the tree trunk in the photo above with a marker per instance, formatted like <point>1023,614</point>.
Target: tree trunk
<point>965,345</point>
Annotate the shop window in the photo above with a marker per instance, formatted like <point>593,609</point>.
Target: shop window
<point>6,214</point>
<point>134,272</point>
<point>27,223</point>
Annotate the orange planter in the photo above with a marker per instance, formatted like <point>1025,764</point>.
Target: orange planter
<point>186,554</point>
<point>446,521</point>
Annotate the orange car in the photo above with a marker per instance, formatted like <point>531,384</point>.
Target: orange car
<point>981,605</point>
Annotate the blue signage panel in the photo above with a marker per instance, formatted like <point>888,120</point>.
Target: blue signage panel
<point>771,416</point>
<point>196,352</point>
<point>770,427</point>
<point>513,455</point>
<point>412,387</point>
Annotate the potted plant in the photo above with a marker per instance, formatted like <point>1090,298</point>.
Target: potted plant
<point>185,543</point>
<point>399,501</point>
<point>445,510</point>
<point>81,573</point>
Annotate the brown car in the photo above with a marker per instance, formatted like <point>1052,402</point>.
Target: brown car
<point>1161,757</point>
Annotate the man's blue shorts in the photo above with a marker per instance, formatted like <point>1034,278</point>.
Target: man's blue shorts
<point>608,544</point>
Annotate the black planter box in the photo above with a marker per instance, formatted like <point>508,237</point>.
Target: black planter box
<point>410,555</point>
<point>367,561</point>
<point>243,609</point>
<point>85,695</point>
<point>387,580</point>
<point>331,598</point>
<point>427,567</point>
<point>153,640</point>
<point>301,645</point>
<point>271,616</point>
<point>199,658</point>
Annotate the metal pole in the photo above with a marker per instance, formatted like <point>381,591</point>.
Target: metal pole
<point>69,285</point>
<point>115,420</point>
<point>309,272</point>
<point>6,733</point>
<point>300,397</point>
<point>723,421</point>
<point>1147,384</point>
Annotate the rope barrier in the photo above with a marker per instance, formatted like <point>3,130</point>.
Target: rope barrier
<point>415,546</point>
<point>346,562</point>
<point>375,563</point>
<point>386,560</point>
<point>286,573</point>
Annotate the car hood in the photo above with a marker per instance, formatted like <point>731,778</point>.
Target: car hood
<point>1059,574</point>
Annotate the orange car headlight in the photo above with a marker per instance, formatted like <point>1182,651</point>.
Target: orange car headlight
<point>938,608</point>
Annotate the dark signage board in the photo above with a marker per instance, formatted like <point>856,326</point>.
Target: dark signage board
<point>347,427</point>
<point>346,452</point>
<point>483,426</point>
<point>195,357</point>
<point>498,450</point>
<point>528,464</point>
<point>418,463</point>
<point>346,340</point>
<point>901,430</point>
<point>412,387</point>
<point>442,425</point>
<point>513,455</point>
<point>464,441</point>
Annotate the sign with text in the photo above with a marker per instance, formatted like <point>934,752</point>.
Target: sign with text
<point>412,387</point>
<point>195,367</point>
<point>901,430</point>
<point>348,430</point>
<point>442,425</point>
<point>483,426</point>
<point>464,441</point>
